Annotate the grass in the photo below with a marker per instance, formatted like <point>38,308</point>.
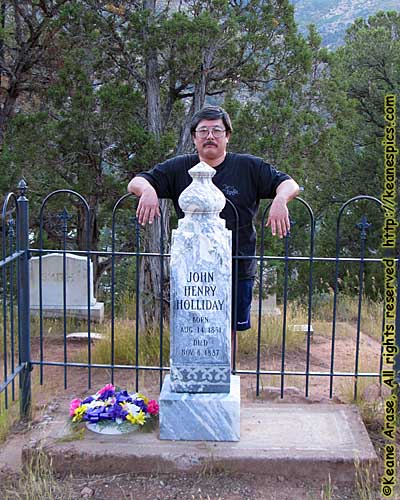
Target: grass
<point>346,388</point>
<point>55,326</point>
<point>125,339</point>
<point>366,484</point>
<point>8,417</point>
<point>125,346</point>
<point>347,312</point>
<point>327,490</point>
<point>37,481</point>
<point>272,332</point>
<point>200,497</point>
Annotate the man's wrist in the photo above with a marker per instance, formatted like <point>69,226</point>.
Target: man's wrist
<point>280,198</point>
<point>148,188</point>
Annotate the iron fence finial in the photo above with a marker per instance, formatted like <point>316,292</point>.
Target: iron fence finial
<point>363,226</point>
<point>22,187</point>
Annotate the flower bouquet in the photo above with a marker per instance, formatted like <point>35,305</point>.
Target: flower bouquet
<point>113,412</point>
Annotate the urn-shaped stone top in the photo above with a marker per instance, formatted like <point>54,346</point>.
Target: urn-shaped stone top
<point>201,196</point>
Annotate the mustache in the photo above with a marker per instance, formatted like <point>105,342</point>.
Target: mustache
<point>209,143</point>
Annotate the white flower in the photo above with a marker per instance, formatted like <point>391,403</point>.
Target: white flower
<point>95,404</point>
<point>132,408</point>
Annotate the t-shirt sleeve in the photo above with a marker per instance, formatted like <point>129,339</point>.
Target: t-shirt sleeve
<point>269,179</point>
<point>160,177</point>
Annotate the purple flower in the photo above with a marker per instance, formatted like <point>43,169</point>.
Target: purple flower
<point>93,414</point>
<point>119,412</point>
<point>141,404</point>
<point>89,399</point>
<point>123,397</point>
<point>105,395</point>
<point>109,405</point>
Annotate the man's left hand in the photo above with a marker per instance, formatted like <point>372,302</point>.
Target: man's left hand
<point>278,218</point>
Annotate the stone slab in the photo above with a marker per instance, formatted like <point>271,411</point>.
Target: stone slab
<point>201,416</point>
<point>308,441</point>
<point>302,329</point>
<point>84,336</point>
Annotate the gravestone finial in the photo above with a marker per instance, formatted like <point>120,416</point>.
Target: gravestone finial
<point>202,199</point>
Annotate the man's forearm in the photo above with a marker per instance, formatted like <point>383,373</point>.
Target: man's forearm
<point>287,190</point>
<point>147,207</point>
<point>278,218</point>
<point>138,185</point>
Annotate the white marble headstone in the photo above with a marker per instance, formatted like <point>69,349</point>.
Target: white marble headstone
<point>201,259</point>
<point>76,286</point>
<point>200,400</point>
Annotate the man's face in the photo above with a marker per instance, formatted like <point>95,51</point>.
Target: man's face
<point>211,147</point>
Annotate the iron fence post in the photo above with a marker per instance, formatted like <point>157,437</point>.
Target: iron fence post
<point>23,298</point>
<point>397,327</point>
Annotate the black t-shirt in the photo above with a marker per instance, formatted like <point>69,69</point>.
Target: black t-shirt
<point>244,180</point>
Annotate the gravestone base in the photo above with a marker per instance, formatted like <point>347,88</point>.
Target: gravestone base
<point>80,312</point>
<point>197,379</point>
<point>200,416</point>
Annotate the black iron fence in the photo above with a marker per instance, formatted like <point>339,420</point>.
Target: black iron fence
<point>17,250</point>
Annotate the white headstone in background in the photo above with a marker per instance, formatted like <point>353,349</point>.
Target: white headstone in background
<point>268,301</point>
<point>76,280</point>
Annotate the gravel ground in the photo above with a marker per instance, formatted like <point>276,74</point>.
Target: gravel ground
<point>210,487</point>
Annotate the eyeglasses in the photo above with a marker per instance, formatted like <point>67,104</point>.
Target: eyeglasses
<point>217,132</point>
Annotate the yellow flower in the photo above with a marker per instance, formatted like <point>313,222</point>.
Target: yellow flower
<point>138,419</point>
<point>142,396</point>
<point>131,418</point>
<point>79,412</point>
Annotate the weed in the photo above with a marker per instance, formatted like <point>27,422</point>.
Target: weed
<point>366,487</point>
<point>346,386</point>
<point>327,490</point>
<point>200,497</point>
<point>271,329</point>
<point>7,416</point>
<point>53,327</point>
<point>38,481</point>
<point>347,311</point>
<point>74,435</point>
<point>125,351</point>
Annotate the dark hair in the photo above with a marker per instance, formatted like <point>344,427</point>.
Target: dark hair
<point>211,113</point>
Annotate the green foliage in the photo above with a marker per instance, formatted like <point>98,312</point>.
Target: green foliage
<point>325,129</point>
<point>118,84</point>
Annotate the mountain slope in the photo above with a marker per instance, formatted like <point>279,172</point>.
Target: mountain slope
<point>333,17</point>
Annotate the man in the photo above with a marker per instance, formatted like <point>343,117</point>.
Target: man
<point>244,179</point>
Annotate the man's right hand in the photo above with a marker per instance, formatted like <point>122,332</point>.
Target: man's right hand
<point>148,206</point>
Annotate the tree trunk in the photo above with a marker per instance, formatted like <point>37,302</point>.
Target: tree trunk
<point>199,97</point>
<point>94,236</point>
<point>151,279</point>
<point>153,276</point>
<point>6,112</point>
